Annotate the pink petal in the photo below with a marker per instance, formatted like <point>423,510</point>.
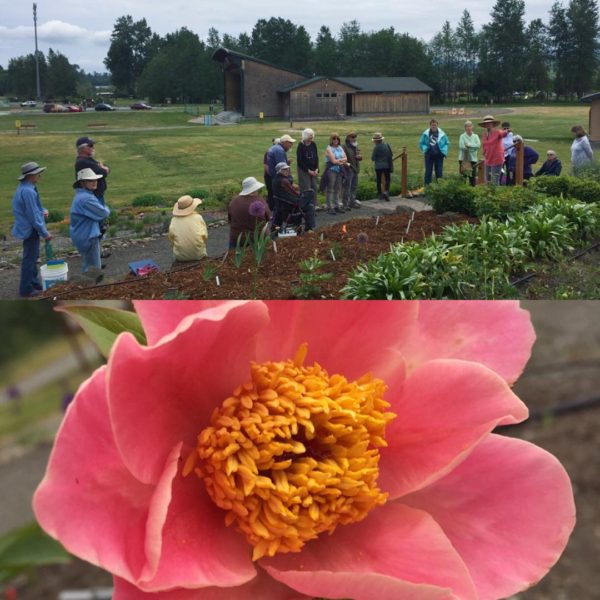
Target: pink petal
<point>508,510</point>
<point>87,498</point>
<point>350,338</point>
<point>396,553</point>
<point>444,408</point>
<point>164,394</point>
<point>498,334</point>
<point>161,317</point>
<point>196,548</point>
<point>262,587</point>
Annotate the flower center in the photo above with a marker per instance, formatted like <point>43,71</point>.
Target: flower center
<point>293,453</point>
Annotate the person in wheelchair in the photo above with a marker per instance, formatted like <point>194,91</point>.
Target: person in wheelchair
<point>292,208</point>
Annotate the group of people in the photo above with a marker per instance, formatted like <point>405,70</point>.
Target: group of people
<point>248,210</point>
<point>87,216</point>
<point>499,148</point>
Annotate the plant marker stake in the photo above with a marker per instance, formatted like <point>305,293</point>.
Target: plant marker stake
<point>321,237</point>
<point>377,221</point>
<point>217,280</point>
<point>408,227</point>
<point>332,254</point>
<point>275,247</point>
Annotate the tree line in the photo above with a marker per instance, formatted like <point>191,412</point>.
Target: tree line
<point>506,57</point>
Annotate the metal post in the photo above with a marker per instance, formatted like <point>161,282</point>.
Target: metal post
<point>520,163</point>
<point>404,173</point>
<point>37,61</point>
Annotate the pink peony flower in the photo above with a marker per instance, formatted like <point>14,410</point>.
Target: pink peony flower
<point>345,446</point>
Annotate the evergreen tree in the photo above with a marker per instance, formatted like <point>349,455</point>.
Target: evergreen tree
<point>503,49</point>
<point>467,48</point>
<point>325,53</point>
<point>62,76</point>
<point>445,57</point>
<point>582,20</point>
<point>560,48</point>
<point>132,45</point>
<point>21,78</point>
<point>536,74</point>
<point>351,51</point>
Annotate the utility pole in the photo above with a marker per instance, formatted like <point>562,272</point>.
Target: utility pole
<point>37,61</point>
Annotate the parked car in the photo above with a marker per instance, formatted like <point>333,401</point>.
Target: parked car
<point>74,108</point>
<point>104,106</point>
<point>140,106</point>
<point>53,107</point>
<point>29,103</point>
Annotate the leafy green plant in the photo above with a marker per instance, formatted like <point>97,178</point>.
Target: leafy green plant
<point>452,194</point>
<point>209,272</point>
<point>310,278</point>
<point>240,250</point>
<point>259,242</point>
<point>55,216</point>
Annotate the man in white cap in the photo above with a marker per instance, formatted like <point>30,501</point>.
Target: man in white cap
<point>246,211</point>
<point>29,226</point>
<point>277,153</point>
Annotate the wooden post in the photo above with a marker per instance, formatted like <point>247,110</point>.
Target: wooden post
<point>481,173</point>
<point>520,147</point>
<point>404,173</point>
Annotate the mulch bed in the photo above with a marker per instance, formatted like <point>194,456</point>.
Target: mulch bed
<point>279,271</point>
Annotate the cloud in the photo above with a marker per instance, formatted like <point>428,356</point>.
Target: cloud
<point>57,32</point>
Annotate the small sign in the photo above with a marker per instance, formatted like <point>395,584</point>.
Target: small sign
<point>261,115</point>
<point>18,124</point>
<point>217,280</point>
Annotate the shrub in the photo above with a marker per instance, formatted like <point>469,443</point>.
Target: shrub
<point>55,216</point>
<point>198,193</point>
<point>148,200</point>
<point>501,201</point>
<point>452,194</point>
<point>586,190</point>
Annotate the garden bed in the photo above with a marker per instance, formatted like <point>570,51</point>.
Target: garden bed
<point>280,271</point>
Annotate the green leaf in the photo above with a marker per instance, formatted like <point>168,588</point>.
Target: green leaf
<point>103,323</point>
<point>28,546</point>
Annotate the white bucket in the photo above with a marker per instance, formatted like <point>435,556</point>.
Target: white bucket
<point>52,274</point>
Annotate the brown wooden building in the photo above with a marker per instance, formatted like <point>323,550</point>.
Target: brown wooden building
<point>594,116</point>
<point>253,86</point>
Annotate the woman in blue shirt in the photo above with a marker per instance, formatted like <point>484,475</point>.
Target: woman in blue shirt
<point>434,146</point>
<point>87,212</point>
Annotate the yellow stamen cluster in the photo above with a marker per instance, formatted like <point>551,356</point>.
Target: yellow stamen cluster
<point>294,453</point>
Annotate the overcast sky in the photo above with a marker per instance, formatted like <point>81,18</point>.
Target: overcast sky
<point>81,29</point>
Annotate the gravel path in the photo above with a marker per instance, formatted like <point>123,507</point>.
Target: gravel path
<point>159,249</point>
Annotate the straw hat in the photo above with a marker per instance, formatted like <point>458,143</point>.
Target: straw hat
<point>30,168</point>
<point>250,185</point>
<point>377,137</point>
<point>286,138</point>
<point>185,206</point>
<point>489,119</point>
<point>86,175</point>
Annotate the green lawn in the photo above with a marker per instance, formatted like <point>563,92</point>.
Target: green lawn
<point>159,151</point>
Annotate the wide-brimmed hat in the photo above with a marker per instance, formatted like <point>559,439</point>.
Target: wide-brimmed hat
<point>286,138</point>
<point>377,137</point>
<point>250,185</point>
<point>186,205</point>
<point>86,175</point>
<point>281,166</point>
<point>351,134</point>
<point>489,119</point>
<point>30,168</point>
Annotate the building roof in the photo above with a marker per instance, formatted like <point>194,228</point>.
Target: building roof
<point>223,54</point>
<point>590,97</point>
<point>304,82</point>
<point>368,84</point>
<point>386,84</point>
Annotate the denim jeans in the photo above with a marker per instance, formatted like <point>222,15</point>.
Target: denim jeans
<point>91,257</point>
<point>334,189</point>
<point>29,275</point>
<point>432,163</point>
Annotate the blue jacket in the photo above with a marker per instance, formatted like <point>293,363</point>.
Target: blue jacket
<point>443,142</point>
<point>86,215</point>
<point>275,155</point>
<point>530,157</point>
<point>28,212</point>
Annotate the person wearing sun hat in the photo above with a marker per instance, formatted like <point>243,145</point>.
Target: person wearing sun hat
<point>382,161</point>
<point>29,226</point>
<point>247,210</point>
<point>493,148</point>
<point>187,231</point>
<point>87,213</point>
